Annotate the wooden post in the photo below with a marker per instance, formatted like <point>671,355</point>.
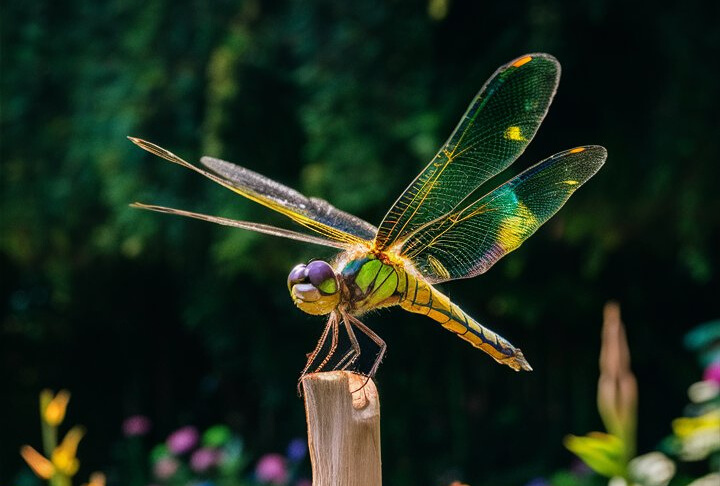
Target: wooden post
<point>343,418</point>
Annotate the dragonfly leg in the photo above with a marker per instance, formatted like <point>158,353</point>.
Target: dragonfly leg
<point>376,339</point>
<point>347,360</point>
<point>332,325</point>
<point>333,346</point>
<point>352,355</point>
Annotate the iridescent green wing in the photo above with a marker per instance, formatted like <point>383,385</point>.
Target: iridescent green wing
<point>338,228</point>
<point>469,241</point>
<point>498,125</point>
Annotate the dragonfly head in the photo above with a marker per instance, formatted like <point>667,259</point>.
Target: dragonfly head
<point>314,287</point>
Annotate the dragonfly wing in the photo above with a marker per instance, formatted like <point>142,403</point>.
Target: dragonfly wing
<point>315,214</point>
<point>497,126</point>
<point>253,184</point>
<point>257,227</point>
<point>468,242</point>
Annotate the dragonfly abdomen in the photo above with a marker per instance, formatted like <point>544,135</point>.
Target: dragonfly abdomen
<point>421,298</point>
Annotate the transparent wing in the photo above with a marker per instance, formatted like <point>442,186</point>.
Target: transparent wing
<point>248,182</point>
<point>468,242</point>
<point>315,214</point>
<point>259,228</point>
<point>496,128</point>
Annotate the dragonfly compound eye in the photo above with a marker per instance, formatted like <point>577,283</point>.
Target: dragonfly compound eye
<point>314,287</point>
<point>322,276</point>
<point>297,275</point>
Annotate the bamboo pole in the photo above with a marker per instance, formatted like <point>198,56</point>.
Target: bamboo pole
<point>343,418</point>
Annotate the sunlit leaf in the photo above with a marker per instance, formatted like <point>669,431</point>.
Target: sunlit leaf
<point>603,453</point>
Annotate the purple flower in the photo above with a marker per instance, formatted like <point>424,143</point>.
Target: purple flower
<point>165,468</point>
<point>712,372</point>
<point>136,425</point>
<point>203,459</point>
<point>272,469</point>
<point>297,448</point>
<point>183,440</point>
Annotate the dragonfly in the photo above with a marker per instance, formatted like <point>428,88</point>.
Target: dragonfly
<point>434,232</point>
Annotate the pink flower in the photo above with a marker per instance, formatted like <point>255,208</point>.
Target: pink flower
<point>712,372</point>
<point>203,459</point>
<point>272,469</point>
<point>183,440</point>
<point>165,468</point>
<point>136,425</point>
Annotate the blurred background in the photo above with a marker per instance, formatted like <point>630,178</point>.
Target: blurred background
<point>187,323</point>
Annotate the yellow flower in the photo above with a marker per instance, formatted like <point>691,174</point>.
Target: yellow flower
<point>52,408</point>
<point>699,436</point>
<point>64,456</point>
<point>63,459</point>
<point>687,426</point>
<point>37,462</point>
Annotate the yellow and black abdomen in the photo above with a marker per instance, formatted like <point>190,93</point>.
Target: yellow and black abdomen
<point>420,297</point>
<point>372,284</point>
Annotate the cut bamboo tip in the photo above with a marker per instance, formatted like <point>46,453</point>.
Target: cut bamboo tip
<point>343,419</point>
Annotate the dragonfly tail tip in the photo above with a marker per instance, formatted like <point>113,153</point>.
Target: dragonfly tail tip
<point>519,363</point>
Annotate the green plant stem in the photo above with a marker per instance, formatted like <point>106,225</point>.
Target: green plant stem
<point>49,438</point>
<point>60,480</point>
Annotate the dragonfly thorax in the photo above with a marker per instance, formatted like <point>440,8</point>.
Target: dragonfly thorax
<point>371,282</point>
<point>314,287</point>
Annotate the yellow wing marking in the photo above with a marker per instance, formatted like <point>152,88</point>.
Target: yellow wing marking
<point>513,229</point>
<point>577,150</point>
<point>511,233</point>
<point>438,267</point>
<point>571,183</point>
<point>514,133</point>
<point>323,229</point>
